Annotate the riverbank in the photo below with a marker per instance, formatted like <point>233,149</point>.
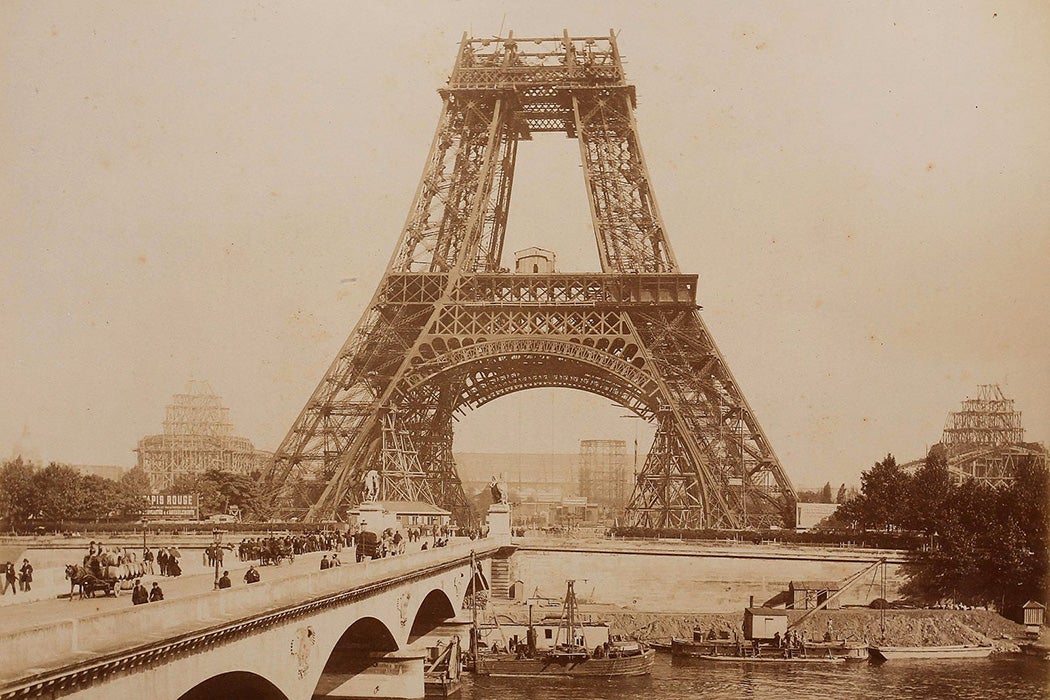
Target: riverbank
<point>898,627</point>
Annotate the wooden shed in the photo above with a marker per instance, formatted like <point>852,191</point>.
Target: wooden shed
<point>1033,616</point>
<point>763,623</point>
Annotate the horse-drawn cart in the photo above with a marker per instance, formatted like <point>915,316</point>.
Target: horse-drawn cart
<point>91,583</point>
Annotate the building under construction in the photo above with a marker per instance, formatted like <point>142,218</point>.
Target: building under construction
<point>604,477</point>
<point>197,436</point>
<point>985,439</point>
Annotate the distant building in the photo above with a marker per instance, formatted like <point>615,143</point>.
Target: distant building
<point>605,477</point>
<point>528,475</point>
<point>408,514</point>
<point>810,515</point>
<point>197,437</point>
<point>25,449</point>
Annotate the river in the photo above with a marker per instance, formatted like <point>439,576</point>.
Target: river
<point>998,678</point>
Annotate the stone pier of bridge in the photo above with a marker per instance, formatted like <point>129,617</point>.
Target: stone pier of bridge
<point>360,630</point>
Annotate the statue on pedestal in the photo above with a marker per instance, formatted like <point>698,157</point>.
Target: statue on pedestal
<point>371,482</point>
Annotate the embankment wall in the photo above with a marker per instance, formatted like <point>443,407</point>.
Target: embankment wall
<point>653,577</point>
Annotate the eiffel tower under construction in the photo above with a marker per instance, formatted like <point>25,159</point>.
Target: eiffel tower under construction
<point>450,329</point>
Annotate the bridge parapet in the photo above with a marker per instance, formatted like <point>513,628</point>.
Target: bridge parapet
<point>107,642</point>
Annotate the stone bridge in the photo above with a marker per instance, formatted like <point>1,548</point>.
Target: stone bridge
<point>361,630</point>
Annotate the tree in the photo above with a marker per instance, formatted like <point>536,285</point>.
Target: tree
<point>808,496</point>
<point>840,497</point>
<point>221,489</point>
<point>930,493</point>
<point>56,491</point>
<point>883,499</point>
<point>991,545</point>
<point>134,490</point>
<point>96,499</point>
<point>17,502</point>
<point>825,493</point>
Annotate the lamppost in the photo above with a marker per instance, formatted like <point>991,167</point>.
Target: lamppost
<point>216,542</point>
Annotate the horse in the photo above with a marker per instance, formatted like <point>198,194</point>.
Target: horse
<point>88,582</point>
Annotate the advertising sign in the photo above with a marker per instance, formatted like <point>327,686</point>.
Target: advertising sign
<point>172,506</point>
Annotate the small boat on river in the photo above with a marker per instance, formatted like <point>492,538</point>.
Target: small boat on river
<point>965,651</point>
<point>768,637</point>
<point>755,650</point>
<point>572,657</point>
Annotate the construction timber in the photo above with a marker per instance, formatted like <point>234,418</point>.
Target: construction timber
<point>197,437</point>
<point>984,440</point>
<point>450,329</point>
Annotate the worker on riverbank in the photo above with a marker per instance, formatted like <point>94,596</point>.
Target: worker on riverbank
<point>225,582</point>
<point>156,593</point>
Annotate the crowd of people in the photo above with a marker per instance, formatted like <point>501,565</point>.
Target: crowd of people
<point>120,566</point>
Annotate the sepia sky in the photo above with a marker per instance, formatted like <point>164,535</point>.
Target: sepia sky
<point>212,190</point>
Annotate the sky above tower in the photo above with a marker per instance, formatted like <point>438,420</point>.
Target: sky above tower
<point>212,191</point>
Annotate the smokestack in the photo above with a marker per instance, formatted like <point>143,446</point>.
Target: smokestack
<point>751,601</point>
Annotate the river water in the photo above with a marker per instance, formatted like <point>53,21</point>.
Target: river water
<point>1005,677</point>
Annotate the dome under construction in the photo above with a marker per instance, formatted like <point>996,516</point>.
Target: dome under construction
<point>197,437</point>
<point>985,438</point>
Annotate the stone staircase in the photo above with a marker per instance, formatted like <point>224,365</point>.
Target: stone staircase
<point>500,577</point>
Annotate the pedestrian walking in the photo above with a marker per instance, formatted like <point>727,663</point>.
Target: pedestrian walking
<point>162,561</point>
<point>9,578</point>
<point>25,576</point>
<point>156,593</point>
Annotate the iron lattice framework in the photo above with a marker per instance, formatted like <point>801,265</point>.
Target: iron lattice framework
<point>449,329</point>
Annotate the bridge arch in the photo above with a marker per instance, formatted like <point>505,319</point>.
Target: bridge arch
<point>435,609</point>
<point>353,653</point>
<point>234,685</point>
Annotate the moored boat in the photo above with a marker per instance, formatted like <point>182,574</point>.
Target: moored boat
<point>848,650</point>
<point>964,651</point>
<point>567,662</point>
<point>777,659</point>
<point>441,672</point>
<point>728,650</point>
<point>571,658</point>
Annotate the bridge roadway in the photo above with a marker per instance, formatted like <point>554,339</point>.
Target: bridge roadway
<point>299,633</point>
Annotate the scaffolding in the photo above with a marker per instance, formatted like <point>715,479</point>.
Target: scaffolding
<point>985,439</point>
<point>604,473</point>
<point>197,437</point>
<point>988,420</point>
